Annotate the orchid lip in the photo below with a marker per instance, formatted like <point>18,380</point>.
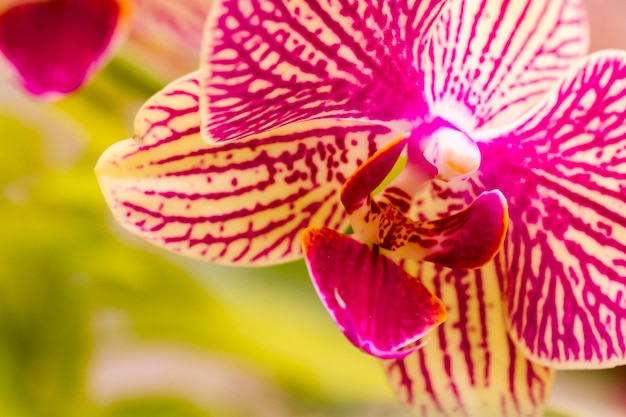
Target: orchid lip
<point>350,328</point>
<point>379,307</point>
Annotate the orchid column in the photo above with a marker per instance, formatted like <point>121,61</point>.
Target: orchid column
<point>302,108</point>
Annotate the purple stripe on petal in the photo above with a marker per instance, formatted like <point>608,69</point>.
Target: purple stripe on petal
<point>270,63</point>
<point>243,203</point>
<point>54,47</point>
<point>563,169</point>
<point>379,307</point>
<point>469,366</point>
<point>491,60</point>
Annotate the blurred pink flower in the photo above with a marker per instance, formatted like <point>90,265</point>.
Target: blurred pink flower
<point>52,48</point>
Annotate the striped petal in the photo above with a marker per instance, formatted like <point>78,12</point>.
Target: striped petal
<point>468,366</point>
<point>563,170</point>
<point>242,203</point>
<point>491,60</point>
<point>273,62</point>
<point>376,304</point>
<point>54,47</point>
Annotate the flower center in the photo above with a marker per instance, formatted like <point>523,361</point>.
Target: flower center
<point>464,239</point>
<point>452,152</point>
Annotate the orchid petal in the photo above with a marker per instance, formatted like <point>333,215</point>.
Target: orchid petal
<point>379,307</point>
<point>466,240</point>
<point>242,203</point>
<point>54,47</point>
<point>468,366</point>
<point>491,60</point>
<point>563,169</point>
<point>270,63</point>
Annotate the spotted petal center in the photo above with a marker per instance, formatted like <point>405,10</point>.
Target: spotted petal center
<point>467,239</point>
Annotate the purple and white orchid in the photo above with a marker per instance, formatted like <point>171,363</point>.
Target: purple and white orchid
<point>299,112</point>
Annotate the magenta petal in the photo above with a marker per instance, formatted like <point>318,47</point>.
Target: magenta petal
<point>54,46</point>
<point>379,307</point>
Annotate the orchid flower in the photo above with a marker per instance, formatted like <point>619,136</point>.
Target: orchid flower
<point>53,47</point>
<point>493,257</point>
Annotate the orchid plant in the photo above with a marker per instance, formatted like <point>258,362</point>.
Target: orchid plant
<point>51,48</point>
<point>476,151</point>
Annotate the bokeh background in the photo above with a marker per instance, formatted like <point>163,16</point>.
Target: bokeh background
<point>96,323</point>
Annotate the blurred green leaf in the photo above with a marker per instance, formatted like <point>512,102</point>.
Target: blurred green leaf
<point>152,407</point>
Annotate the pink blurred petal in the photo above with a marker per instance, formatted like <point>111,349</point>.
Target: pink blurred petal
<point>54,47</point>
<point>165,40</point>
